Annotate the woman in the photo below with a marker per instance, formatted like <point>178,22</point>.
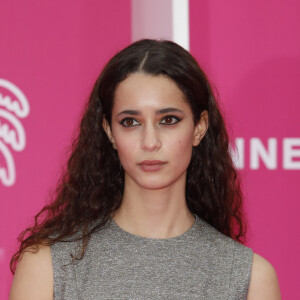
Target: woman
<point>150,205</point>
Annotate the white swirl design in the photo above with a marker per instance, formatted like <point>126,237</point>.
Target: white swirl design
<point>8,174</point>
<point>20,105</point>
<point>12,133</point>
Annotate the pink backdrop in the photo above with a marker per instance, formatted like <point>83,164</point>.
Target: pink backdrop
<point>251,51</point>
<point>52,52</point>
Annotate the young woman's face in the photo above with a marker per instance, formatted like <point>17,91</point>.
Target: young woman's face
<point>152,129</point>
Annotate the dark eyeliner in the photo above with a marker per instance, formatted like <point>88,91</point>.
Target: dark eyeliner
<point>125,119</point>
<point>171,116</point>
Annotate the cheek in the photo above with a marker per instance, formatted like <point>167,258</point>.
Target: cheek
<point>184,147</point>
<point>181,147</point>
<point>184,138</point>
<point>126,150</point>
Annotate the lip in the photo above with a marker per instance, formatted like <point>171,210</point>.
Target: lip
<point>151,165</point>
<point>151,162</point>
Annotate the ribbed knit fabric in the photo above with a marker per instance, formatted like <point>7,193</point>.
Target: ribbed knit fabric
<point>201,263</point>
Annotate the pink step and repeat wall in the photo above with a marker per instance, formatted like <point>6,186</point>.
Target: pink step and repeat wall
<point>251,52</point>
<point>50,55</point>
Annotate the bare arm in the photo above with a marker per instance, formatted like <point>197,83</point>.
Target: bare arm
<point>263,283</point>
<point>34,276</point>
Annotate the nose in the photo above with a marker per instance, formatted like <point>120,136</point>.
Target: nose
<point>150,139</point>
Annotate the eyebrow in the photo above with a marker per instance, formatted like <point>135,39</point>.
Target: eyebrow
<point>158,112</point>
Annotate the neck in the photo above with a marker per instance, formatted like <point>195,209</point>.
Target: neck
<point>160,213</point>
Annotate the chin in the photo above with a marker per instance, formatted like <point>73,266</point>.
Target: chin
<point>155,184</point>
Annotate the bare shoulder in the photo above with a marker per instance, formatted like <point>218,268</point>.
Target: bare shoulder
<point>33,278</point>
<point>263,283</point>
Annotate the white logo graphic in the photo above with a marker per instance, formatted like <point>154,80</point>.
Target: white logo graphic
<point>267,154</point>
<point>13,104</point>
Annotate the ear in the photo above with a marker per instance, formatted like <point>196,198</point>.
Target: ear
<point>201,128</point>
<point>107,129</point>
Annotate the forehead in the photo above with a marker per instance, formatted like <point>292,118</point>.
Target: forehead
<point>140,90</point>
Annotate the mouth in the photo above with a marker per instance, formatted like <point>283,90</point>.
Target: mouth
<point>151,165</point>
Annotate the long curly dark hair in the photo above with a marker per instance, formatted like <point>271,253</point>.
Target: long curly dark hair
<point>93,181</point>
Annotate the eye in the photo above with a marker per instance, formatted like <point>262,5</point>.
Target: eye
<point>170,120</point>
<point>129,122</point>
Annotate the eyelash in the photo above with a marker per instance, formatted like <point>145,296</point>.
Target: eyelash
<point>165,124</point>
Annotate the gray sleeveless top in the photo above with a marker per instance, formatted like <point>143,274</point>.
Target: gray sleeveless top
<point>202,263</point>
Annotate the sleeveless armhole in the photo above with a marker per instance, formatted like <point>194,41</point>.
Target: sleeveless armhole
<point>240,272</point>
